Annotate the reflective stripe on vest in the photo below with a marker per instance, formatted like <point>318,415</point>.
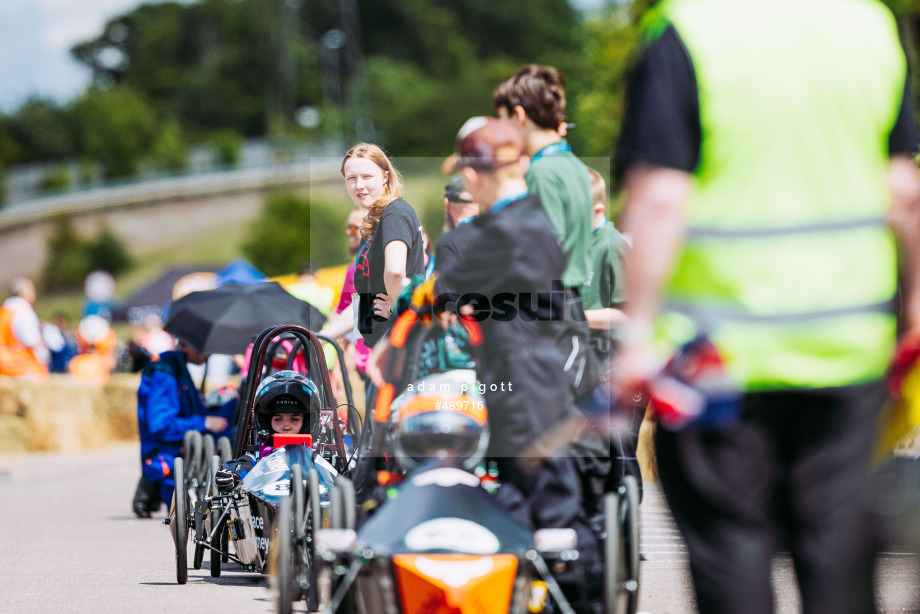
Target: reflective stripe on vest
<point>787,261</point>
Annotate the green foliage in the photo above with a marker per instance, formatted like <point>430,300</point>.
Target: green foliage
<point>2,186</point>
<point>229,147</point>
<point>70,257</point>
<point>41,130</point>
<point>66,262</point>
<point>416,116</point>
<point>55,179</point>
<point>117,128</point>
<point>598,104</point>
<point>213,64</point>
<point>169,151</point>
<point>107,252</point>
<point>291,230</point>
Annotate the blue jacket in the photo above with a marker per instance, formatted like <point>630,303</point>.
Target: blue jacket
<point>168,405</point>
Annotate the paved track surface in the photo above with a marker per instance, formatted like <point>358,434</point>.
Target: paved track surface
<point>71,544</point>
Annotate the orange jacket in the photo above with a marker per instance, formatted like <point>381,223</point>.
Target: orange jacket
<point>16,360</point>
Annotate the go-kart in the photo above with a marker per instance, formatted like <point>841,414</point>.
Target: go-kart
<point>442,542</point>
<point>298,468</point>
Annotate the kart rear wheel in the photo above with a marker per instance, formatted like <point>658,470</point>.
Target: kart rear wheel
<point>179,515</point>
<point>187,447</point>
<point>621,549</point>
<point>192,456</point>
<point>224,449</point>
<point>208,450</point>
<point>342,504</point>
<point>281,569</point>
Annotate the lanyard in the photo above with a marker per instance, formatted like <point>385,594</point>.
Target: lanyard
<point>596,230</point>
<point>554,148</point>
<point>467,220</point>
<point>504,202</point>
<point>361,249</point>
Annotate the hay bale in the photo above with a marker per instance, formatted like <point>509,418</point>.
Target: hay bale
<point>59,415</point>
<point>14,436</point>
<point>9,397</point>
<point>116,407</point>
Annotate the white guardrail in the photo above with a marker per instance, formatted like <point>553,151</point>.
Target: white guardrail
<point>157,190</point>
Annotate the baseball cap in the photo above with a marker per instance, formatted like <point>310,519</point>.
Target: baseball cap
<point>454,189</point>
<point>485,143</point>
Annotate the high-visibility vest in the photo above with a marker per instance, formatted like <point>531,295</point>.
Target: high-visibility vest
<point>16,360</point>
<point>787,262</point>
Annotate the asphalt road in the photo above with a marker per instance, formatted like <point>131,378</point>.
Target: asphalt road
<point>71,544</point>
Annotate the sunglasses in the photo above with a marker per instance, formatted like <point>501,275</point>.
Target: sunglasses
<point>351,229</point>
<point>461,201</point>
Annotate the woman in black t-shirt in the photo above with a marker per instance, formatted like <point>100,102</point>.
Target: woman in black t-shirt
<point>391,249</point>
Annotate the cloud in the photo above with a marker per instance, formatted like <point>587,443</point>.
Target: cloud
<point>35,41</point>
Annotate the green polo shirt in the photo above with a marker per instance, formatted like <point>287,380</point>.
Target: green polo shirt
<point>561,180</point>
<point>609,251</point>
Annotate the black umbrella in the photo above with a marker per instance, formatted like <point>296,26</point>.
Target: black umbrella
<point>227,319</point>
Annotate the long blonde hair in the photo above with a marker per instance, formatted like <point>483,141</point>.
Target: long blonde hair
<point>392,189</point>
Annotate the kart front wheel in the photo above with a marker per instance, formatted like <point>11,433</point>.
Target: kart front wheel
<point>281,569</point>
<point>218,540</point>
<point>179,521</point>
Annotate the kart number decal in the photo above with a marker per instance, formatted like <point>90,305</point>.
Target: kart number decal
<point>281,487</point>
<point>456,534</point>
<point>446,476</point>
<point>274,462</point>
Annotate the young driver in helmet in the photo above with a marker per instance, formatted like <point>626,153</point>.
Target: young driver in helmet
<point>287,402</point>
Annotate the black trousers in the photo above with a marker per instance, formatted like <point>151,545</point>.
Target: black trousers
<point>792,475</point>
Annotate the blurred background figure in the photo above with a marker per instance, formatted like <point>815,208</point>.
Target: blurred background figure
<point>152,337</point>
<point>61,342</point>
<point>97,344</point>
<point>22,351</point>
<point>310,290</point>
<point>168,405</point>
<point>757,201</point>
<point>99,294</point>
<point>342,323</point>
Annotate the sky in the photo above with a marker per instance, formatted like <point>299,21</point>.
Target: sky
<point>36,37</point>
<point>35,41</point>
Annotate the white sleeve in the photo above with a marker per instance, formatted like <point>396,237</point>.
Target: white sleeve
<point>27,328</point>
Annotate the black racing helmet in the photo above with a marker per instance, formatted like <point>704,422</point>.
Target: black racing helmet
<point>287,392</point>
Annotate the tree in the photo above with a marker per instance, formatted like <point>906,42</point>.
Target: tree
<point>169,151</point>
<point>66,260</point>
<point>107,252</point>
<point>42,130</point>
<point>291,230</point>
<point>117,128</point>
<point>212,65</point>
<point>597,91</point>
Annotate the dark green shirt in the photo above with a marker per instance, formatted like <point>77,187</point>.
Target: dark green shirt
<point>609,251</point>
<point>562,182</point>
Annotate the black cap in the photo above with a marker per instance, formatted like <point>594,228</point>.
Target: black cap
<point>454,189</point>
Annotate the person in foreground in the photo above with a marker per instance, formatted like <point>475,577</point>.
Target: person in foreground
<point>757,201</point>
<point>511,251</point>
